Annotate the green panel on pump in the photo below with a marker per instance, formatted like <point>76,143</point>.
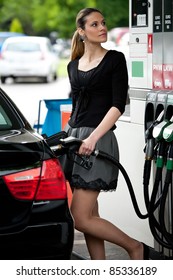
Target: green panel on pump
<point>137,69</point>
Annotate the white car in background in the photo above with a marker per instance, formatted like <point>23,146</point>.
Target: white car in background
<point>28,56</point>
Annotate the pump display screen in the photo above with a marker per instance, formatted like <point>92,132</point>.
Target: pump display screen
<point>140,13</point>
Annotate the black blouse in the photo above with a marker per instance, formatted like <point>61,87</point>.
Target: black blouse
<point>95,91</point>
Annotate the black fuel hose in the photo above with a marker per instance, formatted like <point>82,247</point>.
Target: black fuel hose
<point>104,156</point>
<point>146,178</point>
<point>155,226</point>
<point>167,191</point>
<point>150,150</point>
<point>153,204</point>
<point>159,193</point>
<point>167,235</point>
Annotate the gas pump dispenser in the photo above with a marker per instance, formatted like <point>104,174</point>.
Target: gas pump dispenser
<point>151,83</point>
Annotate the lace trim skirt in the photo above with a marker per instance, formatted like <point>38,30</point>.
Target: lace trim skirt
<point>103,175</point>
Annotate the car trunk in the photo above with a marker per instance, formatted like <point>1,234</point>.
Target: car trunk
<point>20,151</point>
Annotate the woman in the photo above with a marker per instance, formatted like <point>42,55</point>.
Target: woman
<point>99,85</point>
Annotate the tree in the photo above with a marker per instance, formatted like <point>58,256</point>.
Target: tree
<point>21,9</point>
<point>16,26</point>
<point>115,12</point>
<point>41,17</point>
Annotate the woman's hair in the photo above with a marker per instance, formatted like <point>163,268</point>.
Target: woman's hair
<point>77,45</point>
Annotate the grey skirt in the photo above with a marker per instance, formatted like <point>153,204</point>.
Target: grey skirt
<point>103,175</point>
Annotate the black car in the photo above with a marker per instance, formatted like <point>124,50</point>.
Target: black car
<point>35,220</point>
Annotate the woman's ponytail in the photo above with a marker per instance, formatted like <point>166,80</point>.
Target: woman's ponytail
<point>77,46</point>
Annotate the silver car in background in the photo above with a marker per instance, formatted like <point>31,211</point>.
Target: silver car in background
<point>28,56</point>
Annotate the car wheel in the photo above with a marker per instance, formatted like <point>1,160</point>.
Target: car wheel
<point>49,78</point>
<point>3,79</point>
<point>55,77</point>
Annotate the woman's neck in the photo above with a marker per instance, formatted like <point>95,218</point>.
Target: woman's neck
<point>91,58</point>
<point>93,52</point>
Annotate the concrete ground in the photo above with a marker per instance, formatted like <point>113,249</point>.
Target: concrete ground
<point>113,252</point>
<point>80,251</point>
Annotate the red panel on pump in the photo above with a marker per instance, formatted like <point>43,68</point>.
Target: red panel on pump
<point>150,43</point>
<point>157,76</point>
<point>168,76</point>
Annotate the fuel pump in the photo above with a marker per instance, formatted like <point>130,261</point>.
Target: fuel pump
<point>151,81</point>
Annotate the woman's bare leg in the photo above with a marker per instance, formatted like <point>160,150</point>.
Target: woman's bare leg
<point>96,246</point>
<point>82,207</point>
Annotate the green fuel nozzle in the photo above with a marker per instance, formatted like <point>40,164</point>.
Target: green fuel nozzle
<point>149,131</point>
<point>159,129</point>
<point>168,131</point>
<point>150,141</point>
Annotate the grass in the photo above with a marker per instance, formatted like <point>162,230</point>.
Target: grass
<point>62,68</point>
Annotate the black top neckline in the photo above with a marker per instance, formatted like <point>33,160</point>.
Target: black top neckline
<point>96,66</point>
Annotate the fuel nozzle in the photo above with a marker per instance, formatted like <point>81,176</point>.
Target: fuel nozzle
<point>159,128</point>
<point>158,132</point>
<point>168,131</point>
<point>150,141</point>
<point>168,137</point>
<point>149,131</point>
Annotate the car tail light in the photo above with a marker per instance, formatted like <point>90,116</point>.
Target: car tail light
<point>31,185</point>
<point>1,55</point>
<point>42,56</point>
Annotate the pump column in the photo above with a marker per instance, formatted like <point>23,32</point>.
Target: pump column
<point>141,56</point>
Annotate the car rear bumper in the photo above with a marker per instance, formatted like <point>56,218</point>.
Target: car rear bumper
<point>26,70</point>
<point>54,241</point>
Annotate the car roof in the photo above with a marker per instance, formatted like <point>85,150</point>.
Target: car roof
<point>8,33</point>
<point>4,35</point>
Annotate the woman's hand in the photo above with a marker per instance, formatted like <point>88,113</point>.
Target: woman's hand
<point>108,121</point>
<point>87,147</point>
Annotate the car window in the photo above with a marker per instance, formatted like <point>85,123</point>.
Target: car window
<point>2,39</point>
<point>8,117</point>
<point>5,122</point>
<point>23,47</point>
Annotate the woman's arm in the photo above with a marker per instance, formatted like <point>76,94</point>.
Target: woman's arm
<point>106,124</point>
<point>119,95</point>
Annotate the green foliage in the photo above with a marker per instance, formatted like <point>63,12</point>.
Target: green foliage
<point>116,12</point>
<point>62,67</point>
<point>41,17</point>
<point>20,9</point>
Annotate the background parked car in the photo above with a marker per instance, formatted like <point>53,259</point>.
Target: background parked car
<point>115,34</point>
<point>28,56</point>
<point>7,34</point>
<point>118,39</point>
<point>35,221</point>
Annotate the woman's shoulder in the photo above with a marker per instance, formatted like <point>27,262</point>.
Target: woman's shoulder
<point>72,63</point>
<point>115,57</point>
<point>115,53</point>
